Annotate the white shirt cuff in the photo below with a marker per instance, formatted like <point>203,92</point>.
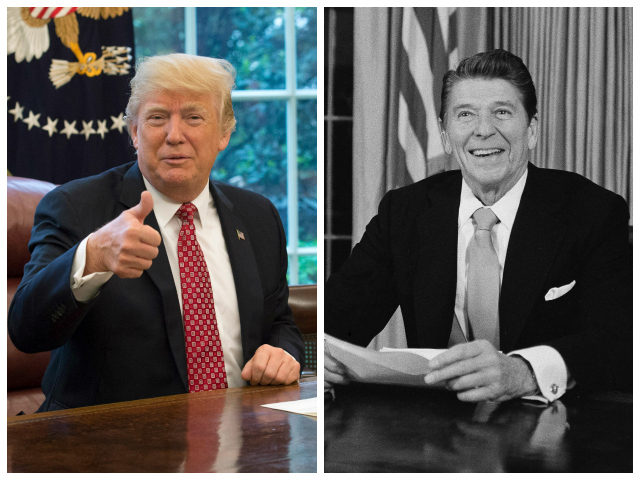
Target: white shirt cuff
<point>86,287</point>
<point>550,370</point>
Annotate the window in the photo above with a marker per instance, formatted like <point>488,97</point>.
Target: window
<point>273,150</point>
<point>338,126</point>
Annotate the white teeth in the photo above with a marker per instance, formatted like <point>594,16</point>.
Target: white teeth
<point>485,152</point>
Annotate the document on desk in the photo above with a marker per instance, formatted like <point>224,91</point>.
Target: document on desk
<point>398,366</point>
<point>308,406</point>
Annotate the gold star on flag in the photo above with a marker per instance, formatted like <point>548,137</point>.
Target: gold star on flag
<point>17,112</point>
<point>87,129</point>
<point>118,122</point>
<point>69,129</point>
<point>102,128</point>
<point>32,120</point>
<point>50,128</point>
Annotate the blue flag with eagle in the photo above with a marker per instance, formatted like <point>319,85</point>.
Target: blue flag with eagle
<point>68,73</point>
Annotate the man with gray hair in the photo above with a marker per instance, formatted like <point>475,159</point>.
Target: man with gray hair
<point>150,279</point>
<point>522,274</point>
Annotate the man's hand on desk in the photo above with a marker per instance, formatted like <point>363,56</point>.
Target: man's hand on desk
<point>271,366</point>
<point>124,246</point>
<point>477,371</point>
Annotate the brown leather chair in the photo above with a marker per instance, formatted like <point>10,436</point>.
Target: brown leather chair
<point>303,301</point>
<point>24,371</point>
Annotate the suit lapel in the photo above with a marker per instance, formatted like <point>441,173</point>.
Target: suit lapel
<point>537,233</point>
<point>435,269</point>
<point>245,270</point>
<point>160,274</point>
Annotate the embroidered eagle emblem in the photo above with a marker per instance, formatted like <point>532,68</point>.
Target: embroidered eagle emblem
<point>28,38</point>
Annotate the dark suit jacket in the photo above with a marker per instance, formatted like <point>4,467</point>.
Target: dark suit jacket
<point>566,229</point>
<point>128,342</point>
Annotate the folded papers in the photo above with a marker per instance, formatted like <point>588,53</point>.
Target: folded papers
<point>398,366</point>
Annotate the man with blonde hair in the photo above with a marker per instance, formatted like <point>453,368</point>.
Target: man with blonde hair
<point>150,279</point>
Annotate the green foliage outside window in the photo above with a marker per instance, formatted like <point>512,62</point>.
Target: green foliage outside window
<point>252,39</point>
<point>158,30</point>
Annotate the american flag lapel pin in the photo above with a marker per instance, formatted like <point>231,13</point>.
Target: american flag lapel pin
<point>240,234</point>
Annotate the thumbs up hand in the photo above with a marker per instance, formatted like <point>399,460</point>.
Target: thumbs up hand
<point>124,246</point>
<point>142,209</point>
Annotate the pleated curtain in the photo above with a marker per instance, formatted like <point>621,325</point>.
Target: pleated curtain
<point>581,62</point>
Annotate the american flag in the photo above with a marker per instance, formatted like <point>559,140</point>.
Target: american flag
<point>428,50</point>
<point>51,12</point>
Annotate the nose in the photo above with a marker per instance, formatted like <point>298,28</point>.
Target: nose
<point>174,131</point>
<point>484,126</point>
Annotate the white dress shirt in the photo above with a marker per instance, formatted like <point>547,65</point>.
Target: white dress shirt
<point>211,240</point>
<point>548,366</point>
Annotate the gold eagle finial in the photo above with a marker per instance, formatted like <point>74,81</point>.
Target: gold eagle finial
<point>28,37</point>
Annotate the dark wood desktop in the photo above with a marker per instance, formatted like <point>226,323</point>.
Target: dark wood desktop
<point>224,430</point>
<point>402,429</point>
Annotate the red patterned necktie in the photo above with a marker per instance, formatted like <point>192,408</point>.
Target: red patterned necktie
<point>205,360</point>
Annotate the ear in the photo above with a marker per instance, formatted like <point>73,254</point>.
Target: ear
<point>532,132</point>
<point>224,141</point>
<point>444,137</point>
<point>133,131</point>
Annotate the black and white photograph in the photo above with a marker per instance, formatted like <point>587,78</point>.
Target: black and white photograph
<point>478,297</point>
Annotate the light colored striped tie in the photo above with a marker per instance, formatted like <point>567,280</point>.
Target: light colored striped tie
<point>483,280</point>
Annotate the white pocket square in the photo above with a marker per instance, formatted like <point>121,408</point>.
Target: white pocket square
<point>557,292</point>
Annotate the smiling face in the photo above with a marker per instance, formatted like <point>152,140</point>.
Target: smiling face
<point>487,129</point>
<point>178,137</point>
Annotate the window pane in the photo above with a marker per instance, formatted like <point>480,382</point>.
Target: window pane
<point>256,157</point>
<point>306,47</point>
<point>307,173</point>
<point>158,30</point>
<point>252,39</point>
<point>307,269</point>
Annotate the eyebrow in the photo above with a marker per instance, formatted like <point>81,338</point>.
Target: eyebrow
<point>499,103</point>
<point>189,107</point>
<point>195,106</point>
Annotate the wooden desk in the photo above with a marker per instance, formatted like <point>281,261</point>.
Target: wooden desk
<point>225,431</point>
<point>384,429</point>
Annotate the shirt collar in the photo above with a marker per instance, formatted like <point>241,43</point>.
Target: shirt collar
<point>505,208</point>
<point>165,209</point>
